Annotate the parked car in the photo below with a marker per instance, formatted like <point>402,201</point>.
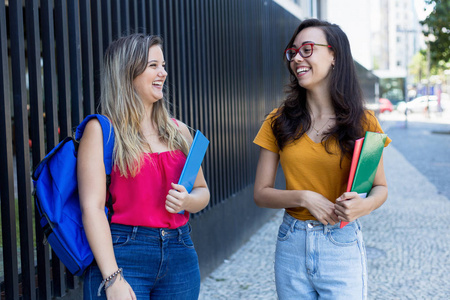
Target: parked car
<point>422,103</point>
<point>385,105</point>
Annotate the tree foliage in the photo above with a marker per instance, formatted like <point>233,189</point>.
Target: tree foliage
<point>438,24</point>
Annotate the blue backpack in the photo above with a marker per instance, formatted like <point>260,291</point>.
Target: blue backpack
<point>56,195</point>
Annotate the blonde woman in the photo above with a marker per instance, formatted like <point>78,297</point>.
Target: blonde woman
<point>146,252</point>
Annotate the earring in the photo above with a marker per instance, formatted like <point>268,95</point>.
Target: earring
<point>333,67</point>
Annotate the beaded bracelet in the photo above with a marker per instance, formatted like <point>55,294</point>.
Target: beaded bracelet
<point>108,281</point>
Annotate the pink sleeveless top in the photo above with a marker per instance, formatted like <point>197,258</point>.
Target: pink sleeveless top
<point>140,200</point>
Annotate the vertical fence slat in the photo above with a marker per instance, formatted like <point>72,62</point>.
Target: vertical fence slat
<point>168,37</point>
<point>178,41</point>
<point>86,56</point>
<point>107,27</point>
<point>193,97</point>
<point>25,204</point>
<point>142,16</point>
<point>10,270</point>
<point>187,102</point>
<point>73,13</point>
<point>81,82</point>
<point>220,101</point>
<point>211,118</point>
<point>209,159</point>
<point>240,99</point>
<point>116,21</point>
<point>227,121</point>
<point>87,72</point>
<point>21,133</point>
<point>212,94</point>
<point>227,100</point>
<point>50,88</point>
<point>214,91</point>
<point>97,47</point>
<point>195,66</point>
<point>35,81</point>
<point>170,57</point>
<point>217,186</point>
<point>64,96</point>
<point>235,97</point>
<point>134,16</point>
<point>155,10</point>
<point>161,11</point>
<point>63,14</point>
<point>124,13</point>
<point>248,65</point>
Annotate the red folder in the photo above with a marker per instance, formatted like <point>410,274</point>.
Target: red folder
<point>355,159</point>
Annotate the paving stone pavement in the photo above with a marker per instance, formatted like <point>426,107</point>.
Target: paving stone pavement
<point>407,241</point>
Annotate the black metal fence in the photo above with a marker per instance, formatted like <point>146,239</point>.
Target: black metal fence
<point>224,59</point>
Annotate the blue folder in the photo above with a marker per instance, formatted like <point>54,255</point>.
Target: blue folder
<point>193,162</point>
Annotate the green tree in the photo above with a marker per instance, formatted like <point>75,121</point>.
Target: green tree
<point>438,24</point>
<point>418,67</point>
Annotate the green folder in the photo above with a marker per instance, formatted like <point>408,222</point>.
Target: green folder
<point>368,161</point>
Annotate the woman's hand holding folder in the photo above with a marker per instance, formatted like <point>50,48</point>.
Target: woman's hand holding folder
<point>351,206</point>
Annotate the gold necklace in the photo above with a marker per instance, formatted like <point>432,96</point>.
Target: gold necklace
<point>317,131</point>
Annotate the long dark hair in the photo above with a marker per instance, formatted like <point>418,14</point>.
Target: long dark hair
<point>293,119</point>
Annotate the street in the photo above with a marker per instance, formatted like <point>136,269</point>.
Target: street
<point>424,144</point>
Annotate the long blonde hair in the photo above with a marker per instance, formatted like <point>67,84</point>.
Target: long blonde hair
<point>124,60</point>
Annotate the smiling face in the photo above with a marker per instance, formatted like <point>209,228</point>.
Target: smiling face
<point>149,84</point>
<point>312,72</point>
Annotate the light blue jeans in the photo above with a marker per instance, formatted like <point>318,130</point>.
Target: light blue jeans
<point>158,263</point>
<point>313,261</point>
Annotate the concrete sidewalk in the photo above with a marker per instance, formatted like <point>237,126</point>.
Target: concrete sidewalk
<point>407,241</point>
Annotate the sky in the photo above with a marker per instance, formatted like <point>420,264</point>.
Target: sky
<point>422,9</point>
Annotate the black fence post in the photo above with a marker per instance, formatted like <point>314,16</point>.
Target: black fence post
<point>11,280</point>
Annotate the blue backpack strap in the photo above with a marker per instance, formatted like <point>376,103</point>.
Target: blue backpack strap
<point>108,138</point>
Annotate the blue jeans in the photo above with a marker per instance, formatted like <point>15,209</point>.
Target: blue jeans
<point>313,261</point>
<point>158,263</point>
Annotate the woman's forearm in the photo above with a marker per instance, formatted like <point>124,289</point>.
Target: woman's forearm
<point>98,233</point>
<point>376,197</point>
<point>274,198</point>
<point>199,199</point>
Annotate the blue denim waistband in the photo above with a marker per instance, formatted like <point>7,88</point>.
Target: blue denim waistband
<point>313,225</point>
<point>148,231</point>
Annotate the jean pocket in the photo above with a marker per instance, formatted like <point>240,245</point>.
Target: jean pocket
<point>186,241</point>
<point>343,237</point>
<point>120,240</point>
<point>284,232</point>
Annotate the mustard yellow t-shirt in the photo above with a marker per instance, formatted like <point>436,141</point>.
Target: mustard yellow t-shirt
<point>308,166</point>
